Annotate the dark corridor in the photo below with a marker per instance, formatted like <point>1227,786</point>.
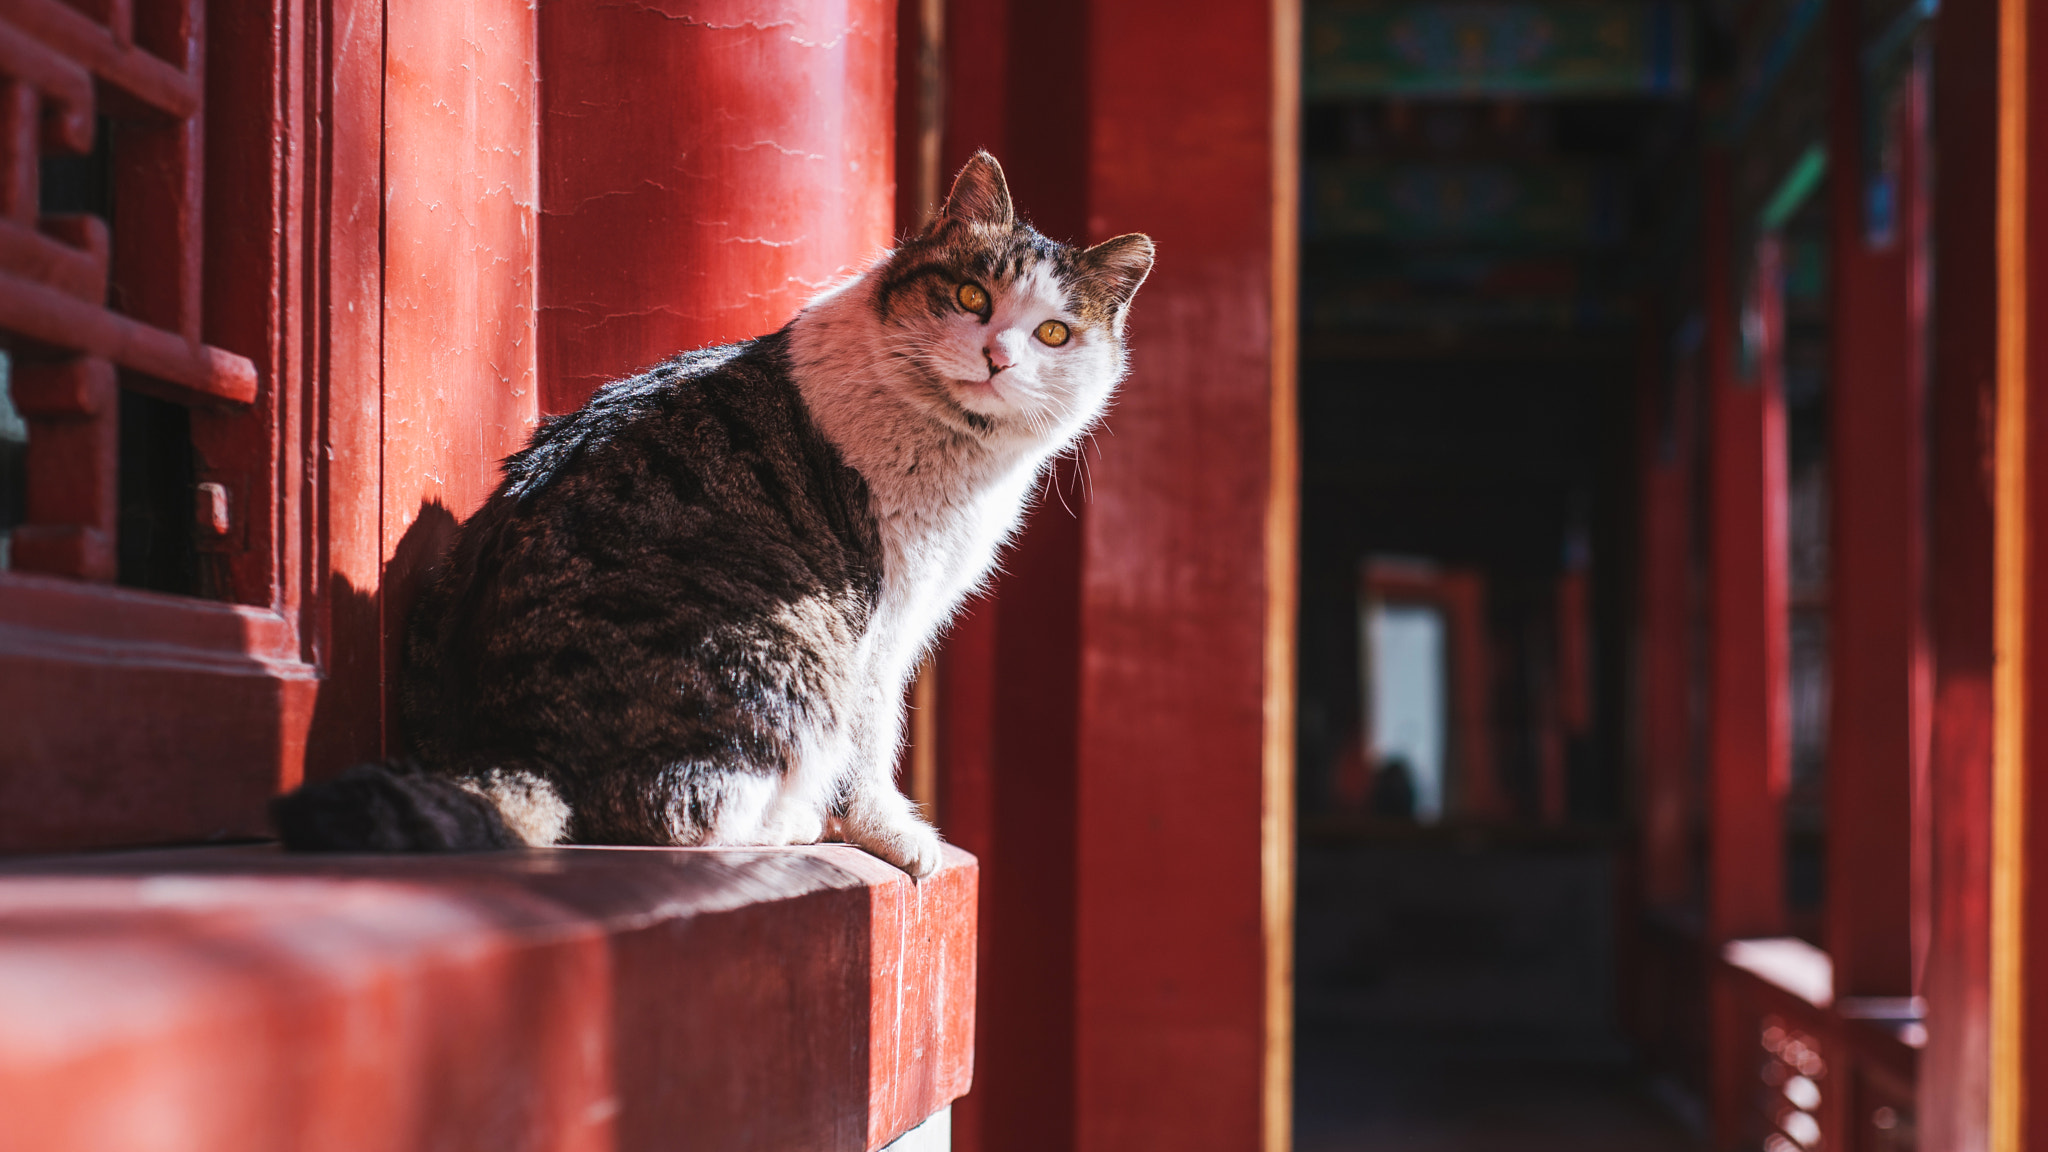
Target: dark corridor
<point>1487,252</point>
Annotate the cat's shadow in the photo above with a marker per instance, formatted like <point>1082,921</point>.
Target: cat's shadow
<point>362,633</point>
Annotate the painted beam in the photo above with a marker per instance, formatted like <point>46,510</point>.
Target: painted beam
<point>1370,48</point>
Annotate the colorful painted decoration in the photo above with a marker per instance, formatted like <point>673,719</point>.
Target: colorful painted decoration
<point>1497,48</point>
<point>1463,202</point>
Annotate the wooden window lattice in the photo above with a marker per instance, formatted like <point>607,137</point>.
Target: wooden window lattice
<point>86,313</point>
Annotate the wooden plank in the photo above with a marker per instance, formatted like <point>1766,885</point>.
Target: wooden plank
<point>75,269</point>
<point>156,84</point>
<point>73,447</point>
<point>189,373</point>
<point>1954,1088</point>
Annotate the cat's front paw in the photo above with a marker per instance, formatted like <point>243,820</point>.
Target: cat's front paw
<point>913,847</point>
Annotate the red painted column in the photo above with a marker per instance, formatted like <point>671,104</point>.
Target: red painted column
<point>706,167</point>
<point>1878,659</point>
<point>1172,966</point>
<point>1750,723</point>
<point>1955,1068</point>
<point>2019,904</point>
<point>460,184</point>
<point>1116,686</point>
<point>1666,439</point>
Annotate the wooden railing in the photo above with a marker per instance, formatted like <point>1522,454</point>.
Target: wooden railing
<point>1805,1071</point>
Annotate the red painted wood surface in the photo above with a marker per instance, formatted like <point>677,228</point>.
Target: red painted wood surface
<point>966,804</point>
<point>1750,707</point>
<point>1879,669</point>
<point>554,999</point>
<point>1667,446</point>
<point>1124,998</point>
<point>344,602</point>
<point>1171,988</point>
<point>2019,1010</point>
<point>1010,706</point>
<point>215,701</point>
<point>752,164</point>
<point>1955,1068</point>
<point>461,202</point>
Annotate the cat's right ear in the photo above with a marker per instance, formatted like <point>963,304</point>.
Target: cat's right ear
<point>980,195</point>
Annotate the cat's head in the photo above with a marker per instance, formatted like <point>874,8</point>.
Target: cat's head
<point>1008,332</point>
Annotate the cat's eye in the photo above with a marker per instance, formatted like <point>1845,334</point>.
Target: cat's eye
<point>1053,333</point>
<point>972,297</point>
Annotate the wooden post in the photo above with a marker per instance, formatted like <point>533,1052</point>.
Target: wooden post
<point>1666,443</point>
<point>2019,923</point>
<point>1182,546</point>
<point>1750,724</point>
<point>1878,660</point>
<point>1137,688</point>
<point>1955,1067</point>
<point>1749,727</point>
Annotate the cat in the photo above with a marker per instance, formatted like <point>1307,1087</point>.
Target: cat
<point>688,613</point>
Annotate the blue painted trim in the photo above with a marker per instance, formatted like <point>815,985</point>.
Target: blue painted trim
<point>1784,48</point>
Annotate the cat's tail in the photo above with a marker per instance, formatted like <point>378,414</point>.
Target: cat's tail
<point>389,807</point>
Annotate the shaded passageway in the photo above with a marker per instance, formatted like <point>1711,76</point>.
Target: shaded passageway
<point>1505,302</point>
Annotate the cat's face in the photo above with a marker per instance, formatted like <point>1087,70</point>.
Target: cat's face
<point>1010,333</point>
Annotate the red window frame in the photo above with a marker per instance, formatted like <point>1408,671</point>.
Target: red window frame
<point>138,717</point>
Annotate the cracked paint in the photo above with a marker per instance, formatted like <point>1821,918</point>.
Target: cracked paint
<point>749,169</point>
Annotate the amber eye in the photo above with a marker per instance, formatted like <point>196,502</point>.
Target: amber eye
<point>972,297</point>
<point>1053,333</point>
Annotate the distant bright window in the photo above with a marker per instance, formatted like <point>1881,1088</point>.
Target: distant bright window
<point>1406,699</point>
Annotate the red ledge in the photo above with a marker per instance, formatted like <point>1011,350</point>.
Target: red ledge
<point>574,998</point>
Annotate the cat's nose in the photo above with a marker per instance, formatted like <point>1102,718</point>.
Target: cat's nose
<point>997,359</point>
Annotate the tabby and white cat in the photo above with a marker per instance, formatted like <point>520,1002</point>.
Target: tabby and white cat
<point>688,614</point>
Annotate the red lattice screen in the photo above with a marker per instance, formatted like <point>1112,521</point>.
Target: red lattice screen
<point>89,311</point>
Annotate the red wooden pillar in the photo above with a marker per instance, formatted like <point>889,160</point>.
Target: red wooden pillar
<point>459,247</point>
<point>1749,723</point>
<point>1186,577</point>
<point>1665,439</point>
<point>1132,664</point>
<point>1878,659</point>
<point>706,167</point>
<point>1955,1067</point>
<point>2019,942</point>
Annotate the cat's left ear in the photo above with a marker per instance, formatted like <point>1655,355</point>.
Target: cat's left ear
<point>1119,265</point>
<point>980,195</point>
